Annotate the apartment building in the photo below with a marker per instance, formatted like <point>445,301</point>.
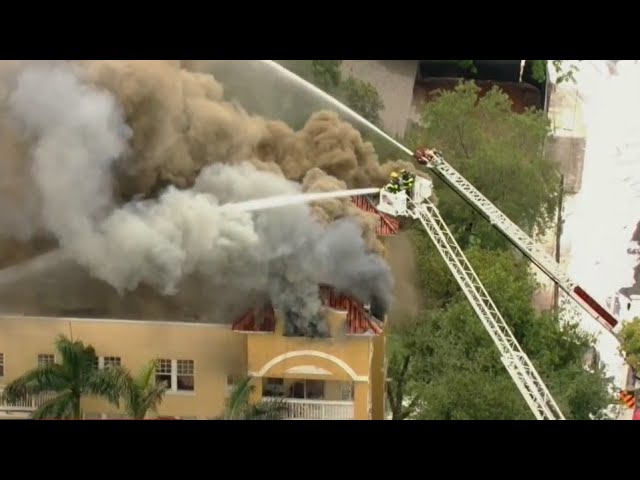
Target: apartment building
<point>341,377</point>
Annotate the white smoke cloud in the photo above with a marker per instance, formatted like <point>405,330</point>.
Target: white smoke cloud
<point>79,132</point>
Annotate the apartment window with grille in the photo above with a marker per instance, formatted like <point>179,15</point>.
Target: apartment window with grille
<point>179,375</point>
<point>46,359</point>
<point>185,377</point>
<point>163,372</point>
<point>115,361</point>
<point>1,364</point>
<point>100,362</point>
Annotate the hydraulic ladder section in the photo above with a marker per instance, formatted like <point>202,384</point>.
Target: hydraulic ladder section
<point>435,161</point>
<point>514,359</point>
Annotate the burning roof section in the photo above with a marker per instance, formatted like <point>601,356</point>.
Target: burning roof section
<point>388,225</point>
<point>359,318</point>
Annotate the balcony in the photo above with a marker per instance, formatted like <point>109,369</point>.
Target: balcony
<point>23,407</point>
<point>302,409</point>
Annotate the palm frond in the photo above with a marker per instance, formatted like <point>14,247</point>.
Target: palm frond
<point>47,378</point>
<point>150,400</point>
<point>239,399</point>
<point>239,406</point>
<point>146,375</point>
<point>143,393</point>
<point>77,359</point>
<point>59,407</point>
<point>272,409</point>
<point>112,382</point>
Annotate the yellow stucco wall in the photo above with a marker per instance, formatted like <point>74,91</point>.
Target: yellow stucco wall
<point>344,357</point>
<point>352,350</point>
<point>215,349</point>
<point>378,378</point>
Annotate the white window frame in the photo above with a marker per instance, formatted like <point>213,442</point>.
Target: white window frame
<point>45,355</point>
<point>3,365</point>
<point>101,361</point>
<point>173,388</point>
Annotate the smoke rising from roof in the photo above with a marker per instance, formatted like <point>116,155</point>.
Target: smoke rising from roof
<point>126,164</point>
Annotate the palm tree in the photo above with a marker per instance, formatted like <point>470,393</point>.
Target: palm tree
<point>73,378</point>
<point>141,393</point>
<point>240,407</point>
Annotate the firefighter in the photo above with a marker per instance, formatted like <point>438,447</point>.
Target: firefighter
<point>408,181</point>
<point>394,186</point>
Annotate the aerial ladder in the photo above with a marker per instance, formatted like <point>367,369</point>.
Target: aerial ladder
<point>414,202</point>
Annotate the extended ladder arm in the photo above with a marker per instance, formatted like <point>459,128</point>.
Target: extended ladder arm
<point>435,161</point>
<point>514,359</point>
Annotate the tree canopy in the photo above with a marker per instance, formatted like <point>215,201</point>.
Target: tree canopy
<point>565,72</point>
<point>76,376</point>
<point>141,393</point>
<point>362,97</point>
<point>499,151</point>
<point>240,407</point>
<point>630,343</point>
<point>443,364</point>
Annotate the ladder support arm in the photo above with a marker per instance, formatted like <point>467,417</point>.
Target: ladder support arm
<point>434,160</point>
<point>522,371</point>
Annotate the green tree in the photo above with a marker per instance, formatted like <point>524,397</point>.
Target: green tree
<point>141,393</point>
<point>361,96</point>
<point>566,72</point>
<point>75,377</point>
<point>239,406</point>
<point>452,369</point>
<point>500,152</point>
<point>630,343</point>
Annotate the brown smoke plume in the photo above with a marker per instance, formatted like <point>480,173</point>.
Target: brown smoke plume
<point>181,123</point>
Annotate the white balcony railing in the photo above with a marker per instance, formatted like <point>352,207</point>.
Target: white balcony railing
<point>26,404</point>
<point>300,409</point>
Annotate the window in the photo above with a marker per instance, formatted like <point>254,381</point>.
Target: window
<point>308,389</point>
<point>46,359</point>
<point>179,375</point>
<point>163,372</point>
<point>185,375</point>
<point>115,361</point>
<point>273,387</point>
<point>1,364</point>
<point>101,362</point>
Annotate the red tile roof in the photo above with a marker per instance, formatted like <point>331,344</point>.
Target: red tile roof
<point>358,320</point>
<point>257,320</point>
<point>388,225</point>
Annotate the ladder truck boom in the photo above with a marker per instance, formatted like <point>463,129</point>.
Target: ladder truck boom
<point>513,357</point>
<point>434,160</point>
<point>412,200</point>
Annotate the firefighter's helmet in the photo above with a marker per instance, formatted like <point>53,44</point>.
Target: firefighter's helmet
<point>394,174</point>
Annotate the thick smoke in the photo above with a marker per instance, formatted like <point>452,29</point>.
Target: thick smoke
<point>296,252</point>
<point>132,166</point>
<point>77,132</point>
